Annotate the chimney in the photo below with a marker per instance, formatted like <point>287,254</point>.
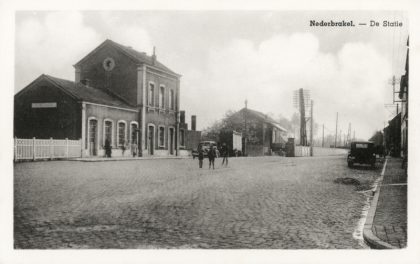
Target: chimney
<point>182,117</point>
<point>193,122</point>
<point>154,56</point>
<point>85,82</point>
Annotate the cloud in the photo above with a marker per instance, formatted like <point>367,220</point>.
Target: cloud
<point>51,45</point>
<point>126,33</point>
<point>53,42</point>
<point>351,82</point>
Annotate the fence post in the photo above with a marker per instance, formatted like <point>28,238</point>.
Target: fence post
<point>67,148</point>
<point>33,148</point>
<point>51,148</point>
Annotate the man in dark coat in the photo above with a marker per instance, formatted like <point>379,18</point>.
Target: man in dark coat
<point>211,155</point>
<point>107,148</point>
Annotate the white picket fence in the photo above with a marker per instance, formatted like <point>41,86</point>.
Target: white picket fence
<point>33,149</point>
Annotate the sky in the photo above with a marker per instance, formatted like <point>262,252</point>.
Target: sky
<point>227,57</point>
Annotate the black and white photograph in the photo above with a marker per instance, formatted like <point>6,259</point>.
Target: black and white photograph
<point>241,130</point>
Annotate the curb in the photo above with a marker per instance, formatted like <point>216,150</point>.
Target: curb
<point>371,239</point>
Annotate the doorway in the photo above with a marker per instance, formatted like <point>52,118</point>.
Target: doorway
<point>150,140</point>
<point>171,141</point>
<point>92,137</point>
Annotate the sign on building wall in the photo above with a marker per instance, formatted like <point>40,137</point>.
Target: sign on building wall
<point>44,105</point>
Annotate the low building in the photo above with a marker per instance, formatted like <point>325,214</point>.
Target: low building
<point>262,135</point>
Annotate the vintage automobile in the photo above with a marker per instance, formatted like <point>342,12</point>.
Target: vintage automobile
<point>205,145</point>
<point>362,152</point>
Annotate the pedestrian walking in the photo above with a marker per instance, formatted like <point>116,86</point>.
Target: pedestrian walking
<point>200,156</point>
<point>134,149</point>
<point>225,154</point>
<point>107,148</point>
<point>211,154</point>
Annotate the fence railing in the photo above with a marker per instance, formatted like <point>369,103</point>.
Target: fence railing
<point>33,149</point>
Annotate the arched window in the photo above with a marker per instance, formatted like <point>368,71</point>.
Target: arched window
<point>162,96</point>
<point>121,133</point>
<point>108,131</point>
<point>133,133</point>
<point>151,94</point>
<point>171,99</point>
<point>161,136</point>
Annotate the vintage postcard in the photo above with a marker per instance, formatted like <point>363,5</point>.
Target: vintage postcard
<point>166,134</point>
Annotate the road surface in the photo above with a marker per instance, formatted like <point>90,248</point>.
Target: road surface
<point>264,202</point>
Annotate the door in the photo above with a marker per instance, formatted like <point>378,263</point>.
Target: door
<point>93,129</point>
<point>151,137</point>
<point>171,141</point>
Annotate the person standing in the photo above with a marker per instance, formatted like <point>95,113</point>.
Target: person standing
<point>211,155</point>
<point>107,148</point>
<point>225,154</point>
<point>200,156</point>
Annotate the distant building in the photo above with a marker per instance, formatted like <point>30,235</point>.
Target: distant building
<point>188,138</point>
<point>262,135</point>
<point>118,94</point>
<point>403,95</point>
<point>393,136</point>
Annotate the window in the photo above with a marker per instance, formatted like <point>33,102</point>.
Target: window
<point>161,136</point>
<point>171,99</point>
<point>108,131</point>
<point>121,133</point>
<point>162,97</point>
<point>133,138</point>
<point>151,93</point>
<point>182,137</point>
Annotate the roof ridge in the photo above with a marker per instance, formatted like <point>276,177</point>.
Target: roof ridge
<point>53,79</point>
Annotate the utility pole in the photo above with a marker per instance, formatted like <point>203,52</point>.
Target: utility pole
<point>336,126</point>
<point>303,139</point>
<point>339,142</point>
<point>348,139</point>
<point>322,135</point>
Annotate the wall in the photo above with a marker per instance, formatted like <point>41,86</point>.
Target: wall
<point>61,122</point>
<point>157,115</point>
<point>101,113</point>
<point>318,151</point>
<point>121,80</point>
<point>192,139</point>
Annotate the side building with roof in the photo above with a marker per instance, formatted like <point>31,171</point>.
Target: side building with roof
<point>118,94</point>
<point>261,134</point>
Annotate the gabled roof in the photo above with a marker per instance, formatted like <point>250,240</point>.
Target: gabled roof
<point>139,57</point>
<point>264,118</point>
<point>81,92</point>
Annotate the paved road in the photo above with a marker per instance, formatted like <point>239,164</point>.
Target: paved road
<point>267,202</point>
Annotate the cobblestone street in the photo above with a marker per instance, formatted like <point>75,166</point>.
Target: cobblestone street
<point>266,202</point>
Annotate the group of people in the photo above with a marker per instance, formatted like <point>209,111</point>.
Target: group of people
<point>211,155</point>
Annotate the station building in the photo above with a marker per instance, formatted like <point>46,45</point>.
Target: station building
<point>118,94</point>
